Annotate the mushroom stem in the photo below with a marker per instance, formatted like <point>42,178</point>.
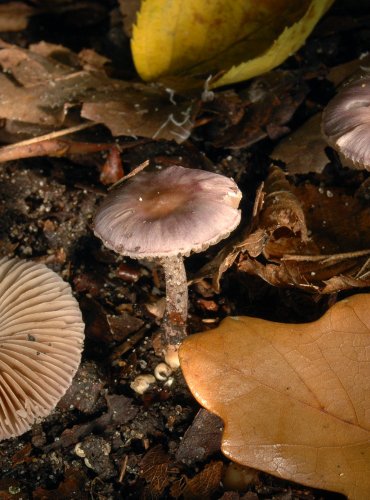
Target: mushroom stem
<point>174,324</point>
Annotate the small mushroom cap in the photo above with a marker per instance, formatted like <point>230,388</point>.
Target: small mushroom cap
<point>174,211</point>
<point>346,123</point>
<point>41,339</point>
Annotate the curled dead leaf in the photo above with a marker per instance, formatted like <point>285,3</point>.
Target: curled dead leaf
<point>304,236</point>
<point>282,213</point>
<point>295,399</point>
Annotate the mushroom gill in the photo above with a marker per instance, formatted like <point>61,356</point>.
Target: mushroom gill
<point>41,339</point>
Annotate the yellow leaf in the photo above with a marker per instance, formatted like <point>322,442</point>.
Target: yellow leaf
<point>295,399</point>
<point>198,37</point>
<point>289,41</point>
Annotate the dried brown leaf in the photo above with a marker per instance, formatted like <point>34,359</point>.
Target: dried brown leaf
<point>205,482</point>
<point>228,254</point>
<point>129,9</point>
<point>36,65</point>
<point>303,151</point>
<point>142,111</point>
<point>91,60</point>
<point>48,80</point>
<point>276,245</point>
<point>282,214</point>
<point>278,224</point>
<point>337,75</point>
<point>14,16</point>
<point>46,103</point>
<point>155,469</point>
<point>262,111</point>
<point>346,282</point>
<point>325,274</point>
<point>295,399</point>
<point>339,220</point>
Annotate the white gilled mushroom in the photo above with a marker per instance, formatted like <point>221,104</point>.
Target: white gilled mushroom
<point>41,339</point>
<point>166,215</point>
<point>346,123</point>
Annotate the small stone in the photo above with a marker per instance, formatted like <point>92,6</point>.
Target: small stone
<point>142,383</point>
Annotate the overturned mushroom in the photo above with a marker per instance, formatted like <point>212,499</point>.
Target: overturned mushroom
<point>41,337</point>
<point>166,215</point>
<point>346,123</point>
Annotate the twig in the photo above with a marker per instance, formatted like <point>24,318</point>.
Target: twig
<point>326,258</point>
<point>131,174</point>
<point>51,135</point>
<point>123,469</point>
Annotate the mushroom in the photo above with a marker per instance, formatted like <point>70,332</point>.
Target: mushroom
<point>346,123</point>
<point>166,215</point>
<point>41,338</point>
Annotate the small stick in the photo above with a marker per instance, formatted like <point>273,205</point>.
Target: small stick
<point>51,135</point>
<point>131,174</point>
<point>326,258</point>
<point>123,469</point>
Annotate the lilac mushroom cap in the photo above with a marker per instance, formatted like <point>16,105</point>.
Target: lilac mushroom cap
<point>170,212</point>
<point>41,339</point>
<point>166,215</point>
<point>346,123</point>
